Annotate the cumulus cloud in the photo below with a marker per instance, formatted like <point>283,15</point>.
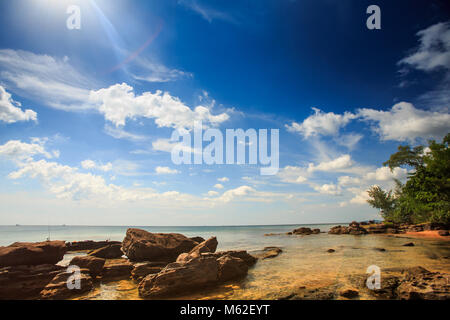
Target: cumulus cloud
<point>434,49</point>
<point>118,103</point>
<point>17,150</point>
<point>241,191</point>
<point>404,122</point>
<point>92,165</point>
<point>10,111</point>
<point>321,123</point>
<point>166,170</point>
<point>334,165</point>
<point>330,189</point>
<point>218,186</point>
<point>224,179</point>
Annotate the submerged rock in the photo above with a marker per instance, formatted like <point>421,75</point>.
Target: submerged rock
<point>25,282</point>
<point>32,253</point>
<point>112,251</point>
<point>116,269</point>
<point>59,288</point>
<point>140,245</point>
<point>419,283</point>
<point>270,252</point>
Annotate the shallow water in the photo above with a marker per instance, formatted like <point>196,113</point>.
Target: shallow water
<point>304,262</point>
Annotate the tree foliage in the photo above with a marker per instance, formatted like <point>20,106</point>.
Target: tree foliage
<point>425,197</point>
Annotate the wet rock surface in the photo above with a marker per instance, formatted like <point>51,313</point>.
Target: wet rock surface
<point>36,253</point>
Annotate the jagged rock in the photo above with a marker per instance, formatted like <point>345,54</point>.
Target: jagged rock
<point>93,264</point>
<point>25,282</point>
<point>116,269</point>
<point>377,228</point>
<point>177,278</point>
<point>241,254</point>
<point>206,246</point>
<point>316,231</point>
<point>88,245</point>
<point>32,253</point>
<point>140,245</point>
<point>112,251</point>
<point>231,268</point>
<point>141,270</point>
<point>59,289</point>
<point>338,230</point>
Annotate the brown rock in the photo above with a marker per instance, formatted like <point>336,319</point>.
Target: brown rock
<point>443,233</point>
<point>112,251</point>
<point>331,250</point>
<point>206,246</point>
<point>116,269</point>
<point>93,264</point>
<point>270,252</point>
<point>140,245</point>
<point>241,254</point>
<point>338,230</point>
<point>25,282</point>
<point>409,244</point>
<point>178,278</point>
<point>422,284</point>
<point>316,231</point>
<point>26,253</point>
<point>197,239</point>
<point>349,293</point>
<point>302,231</point>
<point>88,245</point>
<point>231,268</point>
<point>141,270</point>
<point>58,288</point>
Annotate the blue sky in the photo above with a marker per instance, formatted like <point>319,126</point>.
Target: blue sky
<point>85,115</point>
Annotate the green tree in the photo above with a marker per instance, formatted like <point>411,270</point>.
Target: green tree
<point>425,197</point>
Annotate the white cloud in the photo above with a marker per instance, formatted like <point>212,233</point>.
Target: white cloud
<point>336,165</point>
<point>321,123</point>
<point>120,133</point>
<point>206,12</point>
<point>218,186</point>
<point>166,170</point>
<point>92,165</point>
<point>406,123</point>
<point>10,111</point>
<point>48,79</point>
<point>241,191</point>
<point>118,103</point>
<point>434,49</point>
<point>151,71</point>
<point>385,174</point>
<point>330,189</point>
<point>224,179</point>
<point>292,174</point>
<point>212,193</point>
<point>17,150</point>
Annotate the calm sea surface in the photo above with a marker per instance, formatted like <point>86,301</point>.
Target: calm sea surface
<point>304,262</point>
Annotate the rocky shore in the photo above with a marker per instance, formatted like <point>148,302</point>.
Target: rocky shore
<point>169,265</point>
<point>162,265</point>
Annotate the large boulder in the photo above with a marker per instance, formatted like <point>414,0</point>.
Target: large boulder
<point>141,245</point>
<point>59,289</point>
<point>88,245</point>
<point>27,253</point>
<point>231,268</point>
<point>26,282</point>
<point>93,264</point>
<point>270,252</point>
<point>178,278</point>
<point>241,254</point>
<point>206,246</point>
<point>338,230</point>
<point>116,269</point>
<point>302,231</point>
<point>112,251</point>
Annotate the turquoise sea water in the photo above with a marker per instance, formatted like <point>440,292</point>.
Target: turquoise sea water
<point>229,237</point>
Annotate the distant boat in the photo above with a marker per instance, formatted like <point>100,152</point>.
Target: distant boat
<point>63,225</point>
<point>17,225</point>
